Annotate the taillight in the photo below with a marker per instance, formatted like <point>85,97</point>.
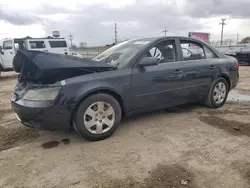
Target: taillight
<point>237,65</point>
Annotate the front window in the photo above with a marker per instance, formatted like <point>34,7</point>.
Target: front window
<point>121,54</point>
<point>7,45</point>
<point>20,45</point>
<point>164,51</point>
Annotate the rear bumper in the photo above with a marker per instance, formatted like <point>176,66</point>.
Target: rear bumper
<point>41,116</point>
<point>234,81</point>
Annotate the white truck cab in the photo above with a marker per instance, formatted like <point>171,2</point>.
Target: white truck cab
<point>9,47</point>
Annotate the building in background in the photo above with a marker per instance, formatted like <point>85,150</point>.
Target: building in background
<point>201,36</point>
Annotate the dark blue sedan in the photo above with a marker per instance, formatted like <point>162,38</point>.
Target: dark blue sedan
<point>59,92</point>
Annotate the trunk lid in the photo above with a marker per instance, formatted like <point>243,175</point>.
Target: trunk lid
<point>48,68</point>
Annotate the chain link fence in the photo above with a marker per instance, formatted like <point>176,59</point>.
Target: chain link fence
<point>89,53</point>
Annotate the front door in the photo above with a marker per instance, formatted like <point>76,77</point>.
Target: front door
<point>8,53</point>
<point>158,85</point>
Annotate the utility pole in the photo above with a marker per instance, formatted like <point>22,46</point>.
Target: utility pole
<point>238,36</point>
<point>116,40</point>
<point>165,31</point>
<point>222,29</point>
<point>209,38</point>
<point>70,39</point>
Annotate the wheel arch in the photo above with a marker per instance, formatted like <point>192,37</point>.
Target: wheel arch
<point>98,91</point>
<point>226,77</point>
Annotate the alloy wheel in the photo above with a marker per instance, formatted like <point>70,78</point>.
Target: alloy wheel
<point>219,93</point>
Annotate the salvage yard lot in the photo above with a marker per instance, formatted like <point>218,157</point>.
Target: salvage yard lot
<point>191,146</point>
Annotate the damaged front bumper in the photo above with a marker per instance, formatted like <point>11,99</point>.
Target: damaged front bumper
<point>41,114</point>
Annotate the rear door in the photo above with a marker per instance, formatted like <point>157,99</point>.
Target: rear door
<point>158,85</point>
<point>199,65</point>
<point>8,53</point>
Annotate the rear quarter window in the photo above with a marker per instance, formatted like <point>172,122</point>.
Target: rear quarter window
<point>58,44</point>
<point>209,54</point>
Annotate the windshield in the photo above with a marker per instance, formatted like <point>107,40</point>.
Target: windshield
<point>121,54</point>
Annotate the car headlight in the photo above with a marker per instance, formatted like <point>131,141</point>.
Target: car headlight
<point>43,94</point>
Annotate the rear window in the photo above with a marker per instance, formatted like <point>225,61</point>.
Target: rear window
<point>37,44</point>
<point>58,44</point>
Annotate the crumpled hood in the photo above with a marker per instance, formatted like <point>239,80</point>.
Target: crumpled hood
<point>47,68</point>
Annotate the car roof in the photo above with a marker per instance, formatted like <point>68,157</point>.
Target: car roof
<point>166,37</point>
<point>155,39</point>
<point>158,39</point>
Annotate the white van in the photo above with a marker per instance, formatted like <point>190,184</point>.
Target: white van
<point>8,48</point>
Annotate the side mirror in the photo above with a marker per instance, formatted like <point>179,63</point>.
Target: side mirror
<point>148,61</point>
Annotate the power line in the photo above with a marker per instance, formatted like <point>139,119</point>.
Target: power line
<point>70,39</point>
<point>222,29</point>
<point>116,40</point>
<point>165,31</point>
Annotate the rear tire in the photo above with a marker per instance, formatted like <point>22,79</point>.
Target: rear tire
<point>218,93</point>
<point>97,117</point>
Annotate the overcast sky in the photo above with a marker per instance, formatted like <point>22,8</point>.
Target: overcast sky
<point>92,21</point>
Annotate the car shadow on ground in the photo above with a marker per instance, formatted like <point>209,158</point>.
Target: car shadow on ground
<point>18,134</point>
<point>217,118</point>
<point>213,117</point>
<point>172,110</point>
<point>161,177</point>
<point>12,137</point>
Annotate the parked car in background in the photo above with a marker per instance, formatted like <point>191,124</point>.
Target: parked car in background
<point>9,47</point>
<point>57,92</point>
<point>76,54</point>
<point>243,57</point>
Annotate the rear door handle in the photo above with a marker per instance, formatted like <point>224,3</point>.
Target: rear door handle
<point>212,67</point>
<point>178,71</point>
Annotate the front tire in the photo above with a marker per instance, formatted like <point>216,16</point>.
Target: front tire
<point>218,93</point>
<point>97,117</point>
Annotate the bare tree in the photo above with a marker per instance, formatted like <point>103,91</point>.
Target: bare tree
<point>245,40</point>
<point>83,44</point>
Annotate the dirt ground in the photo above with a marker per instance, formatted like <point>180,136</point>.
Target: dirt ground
<point>190,146</point>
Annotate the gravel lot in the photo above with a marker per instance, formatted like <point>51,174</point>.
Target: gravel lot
<point>190,146</point>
